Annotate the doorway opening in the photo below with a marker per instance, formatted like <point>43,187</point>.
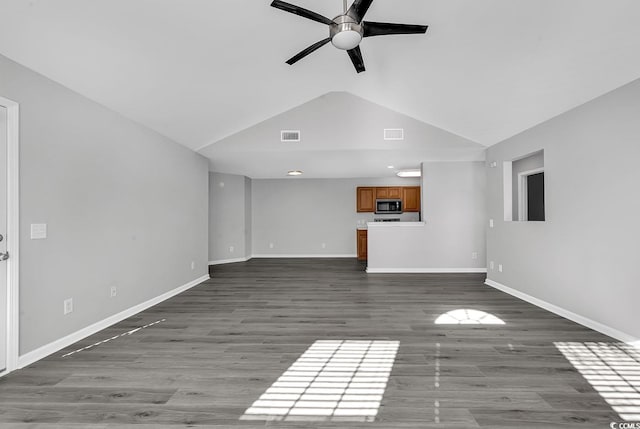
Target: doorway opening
<point>524,188</point>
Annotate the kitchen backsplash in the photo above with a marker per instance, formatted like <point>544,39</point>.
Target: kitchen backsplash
<point>363,218</point>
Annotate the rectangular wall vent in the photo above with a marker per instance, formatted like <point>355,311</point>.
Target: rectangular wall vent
<point>394,133</point>
<point>290,135</point>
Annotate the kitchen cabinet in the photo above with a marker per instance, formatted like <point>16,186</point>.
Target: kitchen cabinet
<point>367,196</point>
<point>366,199</point>
<point>411,198</point>
<point>362,244</point>
<point>389,193</point>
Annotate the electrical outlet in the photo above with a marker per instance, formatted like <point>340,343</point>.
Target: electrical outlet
<point>324,245</point>
<point>500,267</point>
<point>271,246</point>
<point>490,223</point>
<point>68,306</point>
<point>114,291</point>
<point>231,249</point>
<point>492,265</point>
<point>193,265</point>
<point>474,255</point>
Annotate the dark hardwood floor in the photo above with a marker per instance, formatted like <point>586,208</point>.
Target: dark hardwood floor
<point>219,346</point>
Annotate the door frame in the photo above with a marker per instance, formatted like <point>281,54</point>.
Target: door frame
<point>13,233</point>
<point>523,192</point>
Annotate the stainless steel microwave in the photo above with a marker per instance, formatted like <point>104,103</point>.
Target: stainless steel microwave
<point>388,206</point>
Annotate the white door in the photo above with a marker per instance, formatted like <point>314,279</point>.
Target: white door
<point>9,231</point>
<point>4,320</point>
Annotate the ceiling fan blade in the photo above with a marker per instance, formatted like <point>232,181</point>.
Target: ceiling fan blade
<point>300,11</point>
<point>358,9</point>
<point>356,59</point>
<point>300,55</point>
<point>384,28</point>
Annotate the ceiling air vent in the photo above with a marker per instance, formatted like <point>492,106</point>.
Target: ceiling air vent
<point>290,135</point>
<point>394,133</point>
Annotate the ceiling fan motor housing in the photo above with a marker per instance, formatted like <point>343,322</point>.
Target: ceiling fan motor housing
<point>345,32</point>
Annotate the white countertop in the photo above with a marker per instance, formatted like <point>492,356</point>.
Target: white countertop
<point>394,224</point>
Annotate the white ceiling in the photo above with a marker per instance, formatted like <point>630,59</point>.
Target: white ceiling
<point>199,71</point>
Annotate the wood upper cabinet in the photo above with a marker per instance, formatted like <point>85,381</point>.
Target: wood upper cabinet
<point>389,193</point>
<point>367,196</point>
<point>362,244</point>
<point>366,199</point>
<point>411,198</point>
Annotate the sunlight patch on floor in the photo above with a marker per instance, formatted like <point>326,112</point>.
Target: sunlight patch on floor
<point>466,316</point>
<point>613,369</point>
<point>334,380</point>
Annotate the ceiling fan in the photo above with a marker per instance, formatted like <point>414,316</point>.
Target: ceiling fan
<point>347,30</point>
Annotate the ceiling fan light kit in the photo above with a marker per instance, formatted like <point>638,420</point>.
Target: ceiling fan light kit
<point>346,31</point>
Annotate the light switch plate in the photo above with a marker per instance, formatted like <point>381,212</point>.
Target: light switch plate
<point>38,231</point>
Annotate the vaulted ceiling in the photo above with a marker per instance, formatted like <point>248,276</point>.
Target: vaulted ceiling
<point>202,71</point>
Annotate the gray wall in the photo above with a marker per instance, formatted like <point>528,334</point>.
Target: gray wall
<point>340,133</point>
<point>454,207</point>
<point>584,257</point>
<point>229,217</point>
<point>298,215</point>
<point>124,206</point>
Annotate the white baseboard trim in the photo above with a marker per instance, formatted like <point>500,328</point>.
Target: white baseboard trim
<point>584,321</point>
<point>229,261</point>
<point>425,270</point>
<point>315,255</point>
<point>44,351</point>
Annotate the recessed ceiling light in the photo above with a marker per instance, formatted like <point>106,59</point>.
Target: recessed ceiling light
<point>389,166</point>
<point>294,173</point>
<point>408,173</point>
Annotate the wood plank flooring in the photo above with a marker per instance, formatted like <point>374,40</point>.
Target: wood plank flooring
<point>221,344</point>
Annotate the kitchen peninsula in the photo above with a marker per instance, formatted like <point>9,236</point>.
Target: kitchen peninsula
<point>449,234</point>
<point>396,205</point>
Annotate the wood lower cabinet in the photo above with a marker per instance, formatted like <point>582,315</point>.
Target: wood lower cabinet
<point>362,244</point>
<point>366,200</point>
<point>411,198</point>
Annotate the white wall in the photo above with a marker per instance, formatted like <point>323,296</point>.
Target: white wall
<point>453,202</point>
<point>584,258</point>
<point>298,215</point>
<point>229,217</point>
<point>124,207</point>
